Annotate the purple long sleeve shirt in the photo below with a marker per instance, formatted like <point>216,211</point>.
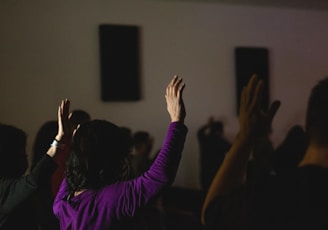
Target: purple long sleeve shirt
<point>104,208</point>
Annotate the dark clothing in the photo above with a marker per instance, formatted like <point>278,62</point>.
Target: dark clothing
<point>294,200</point>
<point>16,196</point>
<point>44,201</point>
<point>212,152</point>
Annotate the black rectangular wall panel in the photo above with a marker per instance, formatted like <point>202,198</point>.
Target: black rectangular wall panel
<point>119,62</point>
<point>249,61</point>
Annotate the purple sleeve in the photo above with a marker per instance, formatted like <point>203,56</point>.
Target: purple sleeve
<point>136,193</point>
<point>166,163</point>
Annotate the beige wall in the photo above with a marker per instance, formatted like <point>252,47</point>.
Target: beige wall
<point>49,50</point>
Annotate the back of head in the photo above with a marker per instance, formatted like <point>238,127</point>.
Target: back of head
<point>291,151</point>
<point>217,127</point>
<point>142,139</point>
<point>13,158</point>
<point>78,117</point>
<point>295,135</point>
<point>98,155</point>
<point>317,114</point>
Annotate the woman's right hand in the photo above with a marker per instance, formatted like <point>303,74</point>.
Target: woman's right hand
<point>174,101</point>
<point>65,129</point>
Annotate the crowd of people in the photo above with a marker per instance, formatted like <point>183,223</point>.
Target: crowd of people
<point>92,174</point>
<point>292,194</point>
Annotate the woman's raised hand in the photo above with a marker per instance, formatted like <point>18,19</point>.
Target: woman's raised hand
<point>253,121</point>
<point>65,129</point>
<point>174,101</point>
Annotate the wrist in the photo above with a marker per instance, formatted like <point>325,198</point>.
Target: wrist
<point>59,138</point>
<point>57,144</point>
<point>177,120</point>
<point>63,139</point>
<point>244,137</point>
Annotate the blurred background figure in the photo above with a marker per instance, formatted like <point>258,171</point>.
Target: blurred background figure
<point>140,156</point>
<point>78,117</point>
<point>213,147</point>
<point>140,161</point>
<point>44,198</point>
<point>291,151</point>
<point>19,208</point>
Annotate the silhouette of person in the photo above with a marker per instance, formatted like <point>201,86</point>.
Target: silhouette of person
<point>140,157</point>
<point>213,147</point>
<point>290,152</point>
<point>17,209</point>
<point>293,199</point>
<point>227,204</point>
<point>44,198</point>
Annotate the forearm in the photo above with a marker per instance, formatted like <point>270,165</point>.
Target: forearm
<point>232,172</point>
<point>165,166</point>
<point>42,171</point>
<point>58,150</point>
<point>16,191</point>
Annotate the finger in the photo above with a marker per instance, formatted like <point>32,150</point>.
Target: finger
<point>177,85</point>
<point>242,99</point>
<point>61,109</point>
<point>66,106</point>
<point>257,96</point>
<point>180,90</point>
<point>250,89</point>
<point>59,112</point>
<point>177,80</point>
<point>74,130</point>
<point>273,109</point>
<point>169,90</point>
<point>171,83</point>
<point>174,79</point>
